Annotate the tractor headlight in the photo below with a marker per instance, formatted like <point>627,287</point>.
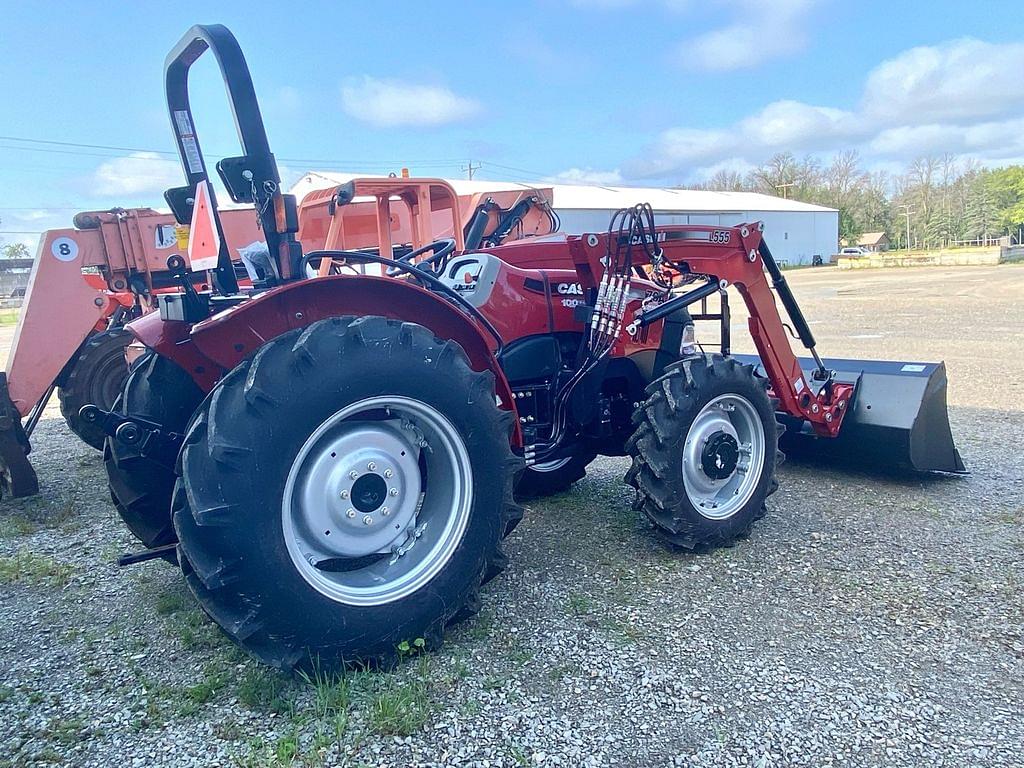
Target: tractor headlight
<point>688,344</point>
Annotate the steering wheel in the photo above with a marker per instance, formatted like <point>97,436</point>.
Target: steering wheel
<point>442,249</point>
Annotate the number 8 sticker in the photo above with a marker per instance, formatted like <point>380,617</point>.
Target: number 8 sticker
<point>64,249</point>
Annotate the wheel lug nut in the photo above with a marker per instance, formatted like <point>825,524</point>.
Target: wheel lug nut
<point>353,474</point>
<point>367,520</point>
<point>371,466</point>
<point>350,513</point>
<point>344,494</point>
<point>388,473</point>
<point>385,511</point>
<point>393,492</point>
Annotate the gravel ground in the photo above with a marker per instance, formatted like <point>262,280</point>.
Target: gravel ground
<point>868,620</point>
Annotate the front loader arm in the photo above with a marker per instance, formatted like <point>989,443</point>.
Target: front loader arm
<point>824,409</point>
<point>737,256</point>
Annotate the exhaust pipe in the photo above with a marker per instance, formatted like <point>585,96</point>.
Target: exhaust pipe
<point>897,418</point>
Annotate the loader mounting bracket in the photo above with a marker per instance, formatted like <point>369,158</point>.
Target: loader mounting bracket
<point>148,438</point>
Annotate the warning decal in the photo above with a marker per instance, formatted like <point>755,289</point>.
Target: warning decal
<point>204,242</point>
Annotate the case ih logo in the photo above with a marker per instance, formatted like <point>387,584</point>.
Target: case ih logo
<point>717,236</point>
<point>569,289</point>
<point>659,237</point>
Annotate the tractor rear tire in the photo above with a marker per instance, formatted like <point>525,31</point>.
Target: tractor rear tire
<point>553,477</point>
<point>96,376</point>
<point>357,413</point>
<point>160,391</point>
<point>704,452</point>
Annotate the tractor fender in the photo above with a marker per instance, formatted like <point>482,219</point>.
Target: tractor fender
<point>220,343</point>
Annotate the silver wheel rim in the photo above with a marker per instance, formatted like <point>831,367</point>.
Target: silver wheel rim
<point>551,466</point>
<point>732,423</point>
<point>377,500</point>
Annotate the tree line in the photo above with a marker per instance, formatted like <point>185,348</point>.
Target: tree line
<point>943,199</point>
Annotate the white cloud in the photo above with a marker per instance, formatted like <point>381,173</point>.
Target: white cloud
<point>137,174</point>
<point>956,97</point>
<point>730,165</point>
<point>394,103</point>
<point>529,47</point>
<point>999,140</point>
<point>31,221</point>
<point>762,30</point>
<point>587,176</point>
<point>960,80</point>
<point>779,126</point>
<point>786,122</point>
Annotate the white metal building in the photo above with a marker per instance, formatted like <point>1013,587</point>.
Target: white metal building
<point>795,231</point>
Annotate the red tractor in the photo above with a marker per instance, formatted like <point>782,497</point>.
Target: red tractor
<point>331,455</point>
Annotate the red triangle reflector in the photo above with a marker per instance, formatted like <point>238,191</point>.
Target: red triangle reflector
<point>204,239</point>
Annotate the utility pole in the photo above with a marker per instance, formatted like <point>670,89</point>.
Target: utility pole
<point>784,187</point>
<point>468,169</point>
<point>908,213</point>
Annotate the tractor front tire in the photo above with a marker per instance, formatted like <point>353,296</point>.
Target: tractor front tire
<point>553,477</point>
<point>96,376</point>
<point>344,494</point>
<point>160,391</point>
<point>704,452</point>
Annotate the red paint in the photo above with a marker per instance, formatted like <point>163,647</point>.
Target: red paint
<point>534,293</point>
<point>219,344</point>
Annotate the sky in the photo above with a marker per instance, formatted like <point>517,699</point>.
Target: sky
<point>630,92</point>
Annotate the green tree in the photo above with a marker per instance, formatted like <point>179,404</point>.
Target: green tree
<point>15,251</point>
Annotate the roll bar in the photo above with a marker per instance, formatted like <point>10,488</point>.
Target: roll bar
<point>253,177</point>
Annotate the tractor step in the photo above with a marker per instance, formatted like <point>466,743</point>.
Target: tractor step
<point>897,418</point>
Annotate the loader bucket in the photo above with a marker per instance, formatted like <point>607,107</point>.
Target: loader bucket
<point>897,418</point>
<point>17,478</point>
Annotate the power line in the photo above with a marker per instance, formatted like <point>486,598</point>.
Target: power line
<point>86,146</point>
<point>433,162</point>
<point>533,174</point>
<point>76,153</point>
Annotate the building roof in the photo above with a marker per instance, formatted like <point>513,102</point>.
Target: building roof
<point>580,197</point>
<point>869,239</point>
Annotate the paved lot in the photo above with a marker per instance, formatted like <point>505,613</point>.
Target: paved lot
<point>868,620</point>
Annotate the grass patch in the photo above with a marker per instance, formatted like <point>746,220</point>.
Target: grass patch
<point>64,731</point>
<point>36,515</point>
<point>278,753</point>
<point>6,693</point>
<point>186,701</point>
<point>196,632</point>
<point>26,567</point>
<point>194,697</point>
<point>562,671</point>
<point>16,525</point>
<point>9,316</point>
<point>580,604</point>
<point>168,603</point>
<point>481,625</point>
<point>398,708</point>
<point>265,690</point>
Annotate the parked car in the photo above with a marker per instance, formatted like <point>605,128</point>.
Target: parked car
<point>854,250</point>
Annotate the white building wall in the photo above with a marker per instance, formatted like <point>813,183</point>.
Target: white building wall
<point>794,237</point>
